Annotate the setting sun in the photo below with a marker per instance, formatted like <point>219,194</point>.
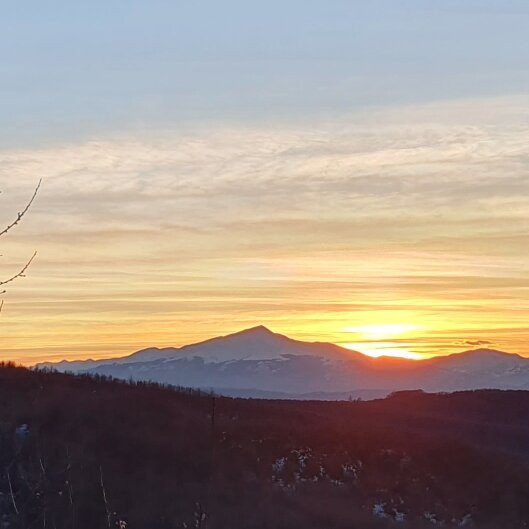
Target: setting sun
<point>378,349</point>
<point>375,340</point>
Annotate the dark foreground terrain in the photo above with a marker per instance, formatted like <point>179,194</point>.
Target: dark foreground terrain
<point>86,453</point>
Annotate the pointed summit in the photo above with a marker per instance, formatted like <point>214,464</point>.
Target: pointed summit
<point>258,343</point>
<point>258,329</point>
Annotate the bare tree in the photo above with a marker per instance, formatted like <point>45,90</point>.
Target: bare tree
<point>7,229</point>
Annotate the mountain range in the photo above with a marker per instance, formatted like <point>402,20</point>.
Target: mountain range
<point>257,363</point>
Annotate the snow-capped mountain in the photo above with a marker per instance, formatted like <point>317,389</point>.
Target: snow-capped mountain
<point>258,362</point>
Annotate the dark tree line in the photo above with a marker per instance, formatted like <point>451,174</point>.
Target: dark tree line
<point>80,452</point>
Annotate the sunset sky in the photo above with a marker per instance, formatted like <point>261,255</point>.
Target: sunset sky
<point>339,171</point>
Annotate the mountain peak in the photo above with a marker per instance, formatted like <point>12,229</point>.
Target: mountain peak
<point>259,343</point>
<point>478,360</point>
<point>258,329</point>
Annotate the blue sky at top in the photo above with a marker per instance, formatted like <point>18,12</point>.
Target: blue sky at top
<point>71,69</point>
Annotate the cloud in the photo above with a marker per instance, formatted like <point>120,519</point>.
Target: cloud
<point>477,342</point>
<point>420,212</point>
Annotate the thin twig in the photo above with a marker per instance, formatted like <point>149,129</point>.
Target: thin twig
<point>19,274</point>
<point>105,497</point>
<point>11,492</point>
<point>23,212</point>
<point>42,467</point>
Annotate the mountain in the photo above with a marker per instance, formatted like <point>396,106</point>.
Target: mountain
<point>257,362</point>
<point>256,343</point>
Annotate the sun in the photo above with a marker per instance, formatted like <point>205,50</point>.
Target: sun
<point>376,340</point>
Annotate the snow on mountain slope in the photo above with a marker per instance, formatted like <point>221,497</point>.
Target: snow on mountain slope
<point>256,343</point>
<point>475,369</point>
<point>260,343</point>
<point>481,360</point>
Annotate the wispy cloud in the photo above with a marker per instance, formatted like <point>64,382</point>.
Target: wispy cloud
<point>414,213</point>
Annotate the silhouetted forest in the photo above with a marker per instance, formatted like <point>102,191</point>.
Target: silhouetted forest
<point>86,453</point>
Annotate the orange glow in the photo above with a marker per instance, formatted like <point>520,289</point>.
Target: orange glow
<point>376,333</point>
<point>379,349</point>
<point>325,232</point>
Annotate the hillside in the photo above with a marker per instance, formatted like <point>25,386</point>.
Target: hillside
<point>258,362</point>
<point>87,453</point>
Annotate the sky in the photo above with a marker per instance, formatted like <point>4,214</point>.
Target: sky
<point>347,171</point>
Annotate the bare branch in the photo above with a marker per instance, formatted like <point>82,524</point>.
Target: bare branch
<point>104,493</point>
<point>11,492</point>
<point>19,274</point>
<point>23,212</point>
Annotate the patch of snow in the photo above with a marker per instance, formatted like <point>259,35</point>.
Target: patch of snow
<point>350,471</point>
<point>303,457</point>
<point>431,517</point>
<point>279,464</point>
<point>465,521</point>
<point>378,510</point>
<point>22,430</point>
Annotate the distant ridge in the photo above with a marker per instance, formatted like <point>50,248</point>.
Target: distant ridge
<point>259,362</point>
